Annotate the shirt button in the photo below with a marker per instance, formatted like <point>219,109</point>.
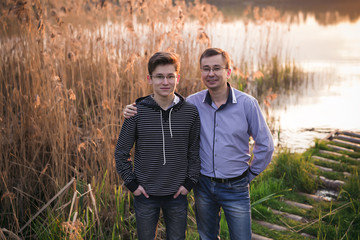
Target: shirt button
<point>215,154</point>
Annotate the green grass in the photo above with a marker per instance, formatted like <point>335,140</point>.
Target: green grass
<point>327,220</point>
<point>283,179</point>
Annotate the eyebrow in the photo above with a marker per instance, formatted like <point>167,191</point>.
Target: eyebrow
<point>216,65</point>
<point>160,74</point>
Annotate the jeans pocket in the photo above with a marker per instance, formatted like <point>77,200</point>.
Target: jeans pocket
<point>140,197</point>
<point>240,184</point>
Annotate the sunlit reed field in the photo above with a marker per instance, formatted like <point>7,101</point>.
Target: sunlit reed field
<point>67,69</point>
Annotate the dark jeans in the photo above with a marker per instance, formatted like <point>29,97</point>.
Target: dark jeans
<point>147,211</point>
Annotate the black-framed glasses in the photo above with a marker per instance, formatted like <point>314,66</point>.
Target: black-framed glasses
<point>160,77</point>
<point>215,69</point>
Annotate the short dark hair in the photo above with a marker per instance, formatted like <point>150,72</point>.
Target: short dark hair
<point>163,58</point>
<point>216,51</point>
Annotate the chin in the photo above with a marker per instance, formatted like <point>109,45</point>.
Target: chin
<point>212,86</point>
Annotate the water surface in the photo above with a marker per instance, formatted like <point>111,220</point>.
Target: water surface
<point>324,44</point>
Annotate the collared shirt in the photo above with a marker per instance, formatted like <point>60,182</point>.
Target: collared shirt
<point>174,102</point>
<point>225,133</point>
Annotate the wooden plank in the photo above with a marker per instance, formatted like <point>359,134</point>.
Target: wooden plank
<point>312,196</point>
<point>331,134</point>
<point>325,169</point>
<point>308,235</point>
<point>271,226</point>
<point>289,215</point>
<point>348,138</point>
<point>338,148</point>
<point>325,159</point>
<point>255,236</point>
<point>332,184</point>
<point>338,154</point>
<point>300,205</point>
<point>333,153</point>
<point>352,134</point>
<point>353,145</point>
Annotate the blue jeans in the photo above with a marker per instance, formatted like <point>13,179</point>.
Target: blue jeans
<point>147,211</point>
<point>233,197</point>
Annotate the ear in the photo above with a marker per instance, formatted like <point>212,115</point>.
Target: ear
<point>228,73</point>
<point>178,78</point>
<point>149,79</point>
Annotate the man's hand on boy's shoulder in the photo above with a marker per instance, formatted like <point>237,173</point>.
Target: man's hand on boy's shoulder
<point>130,110</point>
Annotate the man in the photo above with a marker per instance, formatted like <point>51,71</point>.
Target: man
<point>166,163</point>
<point>228,119</point>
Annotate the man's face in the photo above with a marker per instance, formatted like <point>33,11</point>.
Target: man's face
<point>213,72</point>
<point>164,80</point>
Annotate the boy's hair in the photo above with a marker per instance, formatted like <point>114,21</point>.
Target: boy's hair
<point>217,51</point>
<point>163,58</point>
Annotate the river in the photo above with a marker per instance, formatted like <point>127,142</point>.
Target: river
<point>326,45</point>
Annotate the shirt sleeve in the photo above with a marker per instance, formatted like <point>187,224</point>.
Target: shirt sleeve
<point>124,145</point>
<point>264,144</point>
<point>193,155</point>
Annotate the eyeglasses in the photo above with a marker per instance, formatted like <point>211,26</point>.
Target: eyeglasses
<point>215,69</point>
<point>159,77</point>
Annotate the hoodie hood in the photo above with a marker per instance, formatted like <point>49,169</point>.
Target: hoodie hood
<point>148,101</point>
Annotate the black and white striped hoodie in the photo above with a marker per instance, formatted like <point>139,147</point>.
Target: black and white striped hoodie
<point>166,147</point>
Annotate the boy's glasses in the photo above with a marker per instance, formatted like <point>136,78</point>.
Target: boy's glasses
<point>162,77</point>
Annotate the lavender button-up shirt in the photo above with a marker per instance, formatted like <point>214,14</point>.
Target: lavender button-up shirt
<point>225,132</point>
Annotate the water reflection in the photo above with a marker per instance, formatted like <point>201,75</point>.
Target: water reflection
<point>323,39</point>
<point>326,12</point>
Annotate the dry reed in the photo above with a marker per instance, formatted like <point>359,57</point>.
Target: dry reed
<point>66,72</point>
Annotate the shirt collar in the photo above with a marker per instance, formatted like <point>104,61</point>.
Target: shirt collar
<point>231,97</point>
<point>176,100</point>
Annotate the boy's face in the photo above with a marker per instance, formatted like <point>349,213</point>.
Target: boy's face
<point>164,80</point>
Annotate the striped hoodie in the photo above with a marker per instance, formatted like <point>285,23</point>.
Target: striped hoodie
<point>166,147</point>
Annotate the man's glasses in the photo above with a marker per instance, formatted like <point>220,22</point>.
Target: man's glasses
<point>215,69</point>
<point>159,77</point>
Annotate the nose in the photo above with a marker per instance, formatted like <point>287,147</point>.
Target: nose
<point>165,81</point>
<point>211,72</point>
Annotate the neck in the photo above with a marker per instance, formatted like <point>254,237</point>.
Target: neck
<point>164,102</point>
<point>219,96</point>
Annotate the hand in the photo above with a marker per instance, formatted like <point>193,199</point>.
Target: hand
<point>140,190</point>
<point>130,110</point>
<point>182,190</point>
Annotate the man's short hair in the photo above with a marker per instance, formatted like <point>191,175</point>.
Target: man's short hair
<point>163,58</point>
<point>217,51</point>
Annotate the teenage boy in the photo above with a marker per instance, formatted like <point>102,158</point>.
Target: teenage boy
<point>166,166</point>
<point>228,118</point>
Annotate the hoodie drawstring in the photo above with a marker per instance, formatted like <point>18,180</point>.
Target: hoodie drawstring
<point>162,131</point>
<point>170,122</point>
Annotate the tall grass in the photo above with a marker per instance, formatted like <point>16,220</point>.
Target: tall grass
<point>66,72</point>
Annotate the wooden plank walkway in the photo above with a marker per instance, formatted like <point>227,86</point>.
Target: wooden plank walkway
<point>340,144</point>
